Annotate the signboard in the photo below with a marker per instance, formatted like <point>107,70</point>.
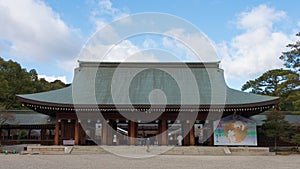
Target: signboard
<point>98,129</point>
<point>198,131</point>
<point>68,142</point>
<point>235,130</point>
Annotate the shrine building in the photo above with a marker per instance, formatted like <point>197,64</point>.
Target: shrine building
<point>113,103</point>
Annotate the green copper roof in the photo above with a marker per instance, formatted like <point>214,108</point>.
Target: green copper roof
<point>27,117</point>
<point>135,83</point>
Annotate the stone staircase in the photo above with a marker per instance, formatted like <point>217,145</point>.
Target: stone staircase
<point>46,150</point>
<point>251,151</point>
<point>216,151</point>
<point>140,151</point>
<point>88,150</point>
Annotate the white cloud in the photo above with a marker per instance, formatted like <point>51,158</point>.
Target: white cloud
<point>124,51</point>
<point>181,46</point>
<point>106,7</point>
<point>35,31</point>
<point>104,12</point>
<point>121,51</point>
<point>101,46</point>
<point>100,42</point>
<point>195,47</point>
<point>178,49</point>
<point>53,78</point>
<point>149,43</point>
<point>258,48</point>
<point>260,16</point>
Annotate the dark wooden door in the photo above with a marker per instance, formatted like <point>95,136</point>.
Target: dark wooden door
<point>69,130</point>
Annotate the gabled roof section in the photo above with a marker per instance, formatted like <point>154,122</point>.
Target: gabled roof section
<point>92,84</point>
<point>59,96</point>
<point>27,117</point>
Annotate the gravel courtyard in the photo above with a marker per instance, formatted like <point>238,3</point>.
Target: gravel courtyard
<point>108,161</point>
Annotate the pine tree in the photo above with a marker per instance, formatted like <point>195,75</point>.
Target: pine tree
<point>276,127</point>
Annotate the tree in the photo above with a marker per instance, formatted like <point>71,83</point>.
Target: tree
<point>292,61</point>
<point>296,140</point>
<point>16,80</point>
<point>276,127</point>
<point>292,57</point>
<point>33,75</point>
<point>277,82</point>
<point>291,101</point>
<point>284,83</point>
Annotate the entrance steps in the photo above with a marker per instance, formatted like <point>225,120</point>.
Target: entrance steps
<point>45,150</point>
<point>88,150</point>
<point>217,151</point>
<point>140,151</point>
<point>251,151</point>
<point>135,151</point>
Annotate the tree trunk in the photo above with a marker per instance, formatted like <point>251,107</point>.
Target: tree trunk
<point>275,143</point>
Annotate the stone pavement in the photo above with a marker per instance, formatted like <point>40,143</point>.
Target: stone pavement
<point>109,161</point>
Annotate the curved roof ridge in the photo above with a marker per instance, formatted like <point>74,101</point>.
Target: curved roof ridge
<point>149,64</point>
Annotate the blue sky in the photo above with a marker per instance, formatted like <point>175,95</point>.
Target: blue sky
<point>249,36</point>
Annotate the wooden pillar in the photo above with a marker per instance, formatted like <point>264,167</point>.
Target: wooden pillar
<point>56,137</point>
<point>110,131</point>
<point>192,135</point>
<point>76,139</point>
<point>29,134</point>
<point>50,134</point>
<point>43,134</point>
<point>163,127</point>
<point>132,132</point>
<point>62,129</point>
<point>212,131</point>
<point>208,133</point>
<point>185,129</point>
<point>104,133</point>
<point>82,135</point>
<point>158,136</point>
<point>114,129</point>
<point>8,134</point>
